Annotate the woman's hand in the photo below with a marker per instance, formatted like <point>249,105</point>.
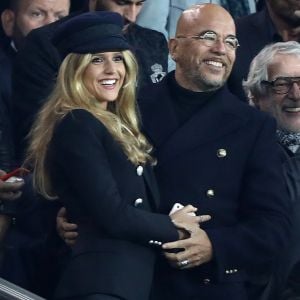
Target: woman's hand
<point>186,220</point>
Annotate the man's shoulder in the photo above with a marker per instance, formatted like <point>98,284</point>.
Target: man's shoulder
<point>134,28</point>
<point>233,105</point>
<point>249,20</point>
<point>253,28</point>
<point>147,37</point>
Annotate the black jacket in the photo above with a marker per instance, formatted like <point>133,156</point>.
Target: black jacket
<point>113,202</point>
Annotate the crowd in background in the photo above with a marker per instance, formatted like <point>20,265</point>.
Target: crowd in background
<point>215,148</point>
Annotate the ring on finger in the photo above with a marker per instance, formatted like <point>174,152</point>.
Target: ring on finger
<point>183,263</point>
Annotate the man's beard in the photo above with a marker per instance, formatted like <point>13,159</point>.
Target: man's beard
<point>205,84</point>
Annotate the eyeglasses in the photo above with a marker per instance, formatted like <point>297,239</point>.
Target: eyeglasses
<point>282,85</point>
<point>210,38</point>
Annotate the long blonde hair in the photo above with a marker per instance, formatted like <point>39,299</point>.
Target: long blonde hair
<point>70,93</point>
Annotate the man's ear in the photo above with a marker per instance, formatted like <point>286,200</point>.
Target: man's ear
<point>173,48</point>
<point>8,22</point>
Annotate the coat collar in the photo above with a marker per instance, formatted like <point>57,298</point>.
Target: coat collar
<point>216,119</point>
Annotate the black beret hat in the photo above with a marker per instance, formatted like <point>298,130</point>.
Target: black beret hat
<point>90,32</point>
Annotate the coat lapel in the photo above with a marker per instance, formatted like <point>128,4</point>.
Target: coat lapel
<point>158,116</point>
<point>214,120</point>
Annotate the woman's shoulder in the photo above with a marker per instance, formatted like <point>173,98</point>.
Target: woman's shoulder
<point>79,115</point>
<point>80,121</point>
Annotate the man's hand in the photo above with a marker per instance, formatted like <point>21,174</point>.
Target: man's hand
<point>197,250</point>
<point>10,190</point>
<point>67,231</point>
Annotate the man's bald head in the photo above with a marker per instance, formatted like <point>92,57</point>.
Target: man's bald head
<point>201,63</point>
<point>200,13</point>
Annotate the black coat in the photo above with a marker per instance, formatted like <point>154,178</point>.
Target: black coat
<point>225,161</point>
<point>112,203</point>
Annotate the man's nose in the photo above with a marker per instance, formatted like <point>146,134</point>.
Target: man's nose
<point>131,13</point>
<point>294,92</point>
<point>219,46</point>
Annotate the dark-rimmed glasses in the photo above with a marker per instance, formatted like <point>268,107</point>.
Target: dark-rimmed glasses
<point>282,85</point>
<point>210,38</point>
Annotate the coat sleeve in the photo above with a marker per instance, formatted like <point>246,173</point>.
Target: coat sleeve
<point>263,227</point>
<point>82,157</point>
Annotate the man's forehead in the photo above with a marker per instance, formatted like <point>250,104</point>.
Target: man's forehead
<point>200,20</point>
<point>128,2</point>
<point>44,4</point>
<point>284,65</point>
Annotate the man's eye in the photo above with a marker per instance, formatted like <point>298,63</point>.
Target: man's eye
<point>231,43</point>
<point>121,2</point>
<point>97,60</point>
<point>35,14</point>
<point>209,37</point>
<point>281,83</point>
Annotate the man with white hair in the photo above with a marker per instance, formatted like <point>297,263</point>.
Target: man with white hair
<point>273,86</point>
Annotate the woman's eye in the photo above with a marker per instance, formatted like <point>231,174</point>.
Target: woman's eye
<point>97,60</point>
<point>118,58</point>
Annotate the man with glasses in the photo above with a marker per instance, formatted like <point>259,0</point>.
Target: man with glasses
<point>218,154</point>
<point>273,86</point>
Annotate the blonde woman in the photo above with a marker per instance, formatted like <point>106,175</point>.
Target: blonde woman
<point>86,149</point>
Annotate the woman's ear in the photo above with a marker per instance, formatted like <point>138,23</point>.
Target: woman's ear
<point>8,22</point>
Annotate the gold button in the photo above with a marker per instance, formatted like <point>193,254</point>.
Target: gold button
<point>210,193</point>
<point>221,153</point>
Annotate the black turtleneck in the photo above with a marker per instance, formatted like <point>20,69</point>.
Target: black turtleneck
<point>186,103</point>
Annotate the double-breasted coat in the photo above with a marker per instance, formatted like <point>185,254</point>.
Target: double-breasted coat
<point>112,201</point>
<point>225,161</point>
